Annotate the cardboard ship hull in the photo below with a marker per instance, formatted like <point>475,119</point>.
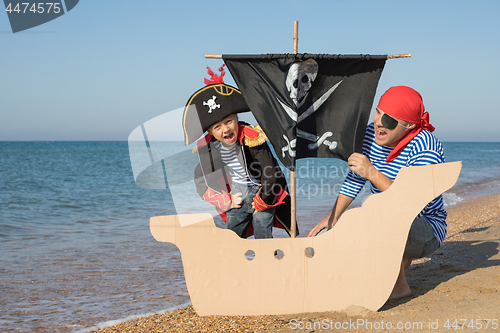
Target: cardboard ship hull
<point>355,263</point>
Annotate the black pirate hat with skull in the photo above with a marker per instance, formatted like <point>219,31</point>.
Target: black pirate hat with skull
<point>209,105</point>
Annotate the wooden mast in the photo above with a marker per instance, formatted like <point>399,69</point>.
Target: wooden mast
<point>293,211</point>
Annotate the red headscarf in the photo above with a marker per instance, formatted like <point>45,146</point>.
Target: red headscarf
<point>406,104</point>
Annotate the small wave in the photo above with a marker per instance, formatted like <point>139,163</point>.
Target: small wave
<point>66,206</point>
<point>110,323</point>
<point>7,227</point>
<point>477,188</point>
<point>451,199</point>
<point>83,222</point>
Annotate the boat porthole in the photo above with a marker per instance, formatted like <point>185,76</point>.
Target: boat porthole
<point>309,252</point>
<point>250,255</point>
<point>278,254</point>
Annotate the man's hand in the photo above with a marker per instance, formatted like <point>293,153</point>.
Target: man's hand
<point>360,164</point>
<point>236,200</point>
<point>318,227</point>
<point>327,222</point>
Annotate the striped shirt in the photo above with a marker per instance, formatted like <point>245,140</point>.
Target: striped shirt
<point>237,171</point>
<point>424,149</point>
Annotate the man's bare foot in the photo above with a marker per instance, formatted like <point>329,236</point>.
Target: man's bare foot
<point>400,292</point>
<point>401,288</point>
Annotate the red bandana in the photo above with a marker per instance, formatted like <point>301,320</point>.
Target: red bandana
<point>406,104</point>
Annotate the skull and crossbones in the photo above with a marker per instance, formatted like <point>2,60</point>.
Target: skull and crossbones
<point>299,80</point>
<point>211,104</point>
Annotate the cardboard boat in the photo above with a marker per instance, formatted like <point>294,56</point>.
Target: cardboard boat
<point>355,263</point>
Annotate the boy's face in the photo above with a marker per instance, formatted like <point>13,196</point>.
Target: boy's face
<point>226,131</point>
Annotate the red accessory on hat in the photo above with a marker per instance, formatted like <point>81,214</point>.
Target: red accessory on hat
<point>214,78</point>
<point>406,104</point>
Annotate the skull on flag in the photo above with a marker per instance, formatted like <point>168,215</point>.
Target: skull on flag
<point>299,80</point>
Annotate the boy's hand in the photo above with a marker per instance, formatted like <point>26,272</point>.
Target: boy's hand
<point>236,200</point>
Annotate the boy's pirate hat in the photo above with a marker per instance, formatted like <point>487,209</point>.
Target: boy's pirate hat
<point>208,106</point>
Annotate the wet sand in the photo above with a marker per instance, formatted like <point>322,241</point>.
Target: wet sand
<point>457,287</point>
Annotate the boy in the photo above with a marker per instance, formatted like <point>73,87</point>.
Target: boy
<point>237,172</point>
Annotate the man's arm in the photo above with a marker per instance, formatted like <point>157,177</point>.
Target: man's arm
<point>340,206</point>
<point>361,165</point>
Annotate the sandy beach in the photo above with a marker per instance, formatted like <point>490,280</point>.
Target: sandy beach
<point>457,287</point>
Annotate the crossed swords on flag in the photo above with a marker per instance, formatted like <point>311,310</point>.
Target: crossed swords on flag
<point>317,140</point>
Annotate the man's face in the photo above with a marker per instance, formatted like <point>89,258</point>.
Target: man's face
<point>226,131</point>
<point>387,137</point>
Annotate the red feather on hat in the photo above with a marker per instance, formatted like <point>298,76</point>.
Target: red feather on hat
<point>214,78</point>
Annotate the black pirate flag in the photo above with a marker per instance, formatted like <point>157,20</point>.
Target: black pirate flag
<point>309,105</point>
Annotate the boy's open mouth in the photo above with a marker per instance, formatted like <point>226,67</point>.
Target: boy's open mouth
<point>229,137</point>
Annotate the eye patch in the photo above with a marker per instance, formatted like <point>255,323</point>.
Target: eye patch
<point>389,122</point>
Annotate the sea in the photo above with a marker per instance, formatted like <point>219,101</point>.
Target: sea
<point>76,252</point>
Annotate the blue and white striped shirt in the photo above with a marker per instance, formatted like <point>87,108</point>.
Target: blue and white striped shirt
<point>424,149</point>
<point>230,158</point>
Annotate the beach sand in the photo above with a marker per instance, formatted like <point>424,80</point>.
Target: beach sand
<point>459,283</point>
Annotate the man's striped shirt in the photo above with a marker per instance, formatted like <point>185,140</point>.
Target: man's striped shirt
<point>424,149</point>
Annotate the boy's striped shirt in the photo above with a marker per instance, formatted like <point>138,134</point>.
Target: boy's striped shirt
<point>238,173</point>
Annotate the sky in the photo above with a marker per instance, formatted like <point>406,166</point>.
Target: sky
<point>108,66</point>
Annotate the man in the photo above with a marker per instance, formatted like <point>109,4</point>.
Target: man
<point>399,136</point>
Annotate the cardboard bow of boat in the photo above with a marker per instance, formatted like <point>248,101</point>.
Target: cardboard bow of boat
<point>355,263</point>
